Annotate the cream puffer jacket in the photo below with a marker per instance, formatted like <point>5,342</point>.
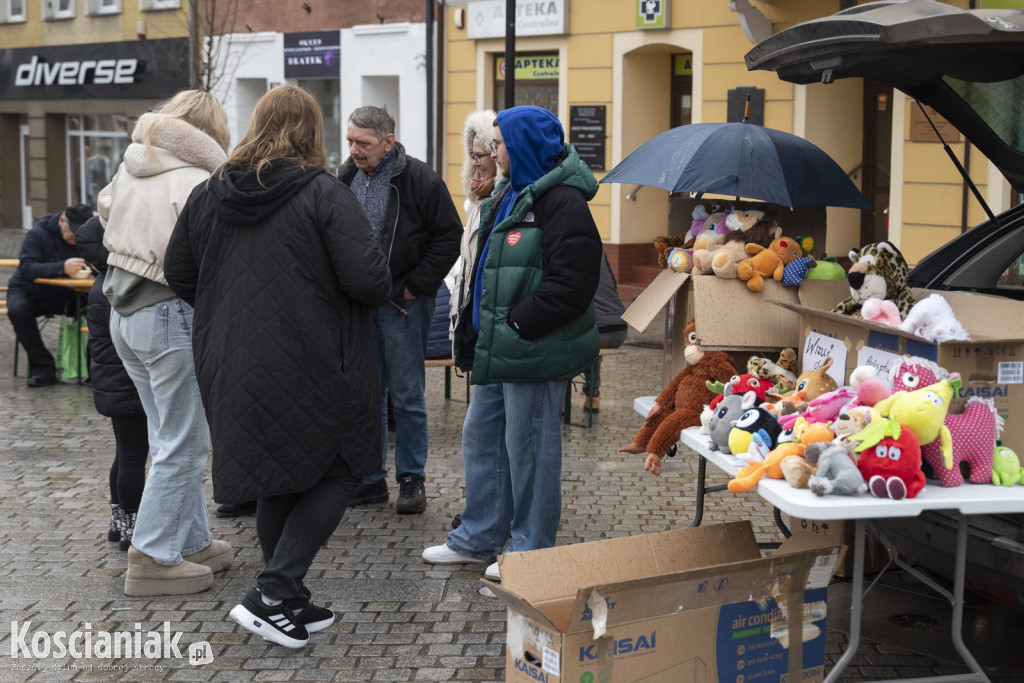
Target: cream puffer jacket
<point>141,204</point>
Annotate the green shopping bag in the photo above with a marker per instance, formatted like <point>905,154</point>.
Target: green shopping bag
<point>71,355</point>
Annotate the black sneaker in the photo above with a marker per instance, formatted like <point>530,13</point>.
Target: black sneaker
<point>41,380</point>
<point>411,496</point>
<point>377,492</point>
<point>314,617</point>
<point>276,624</point>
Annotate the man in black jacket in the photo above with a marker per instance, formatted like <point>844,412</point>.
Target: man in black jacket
<point>419,229</point>
<point>48,251</point>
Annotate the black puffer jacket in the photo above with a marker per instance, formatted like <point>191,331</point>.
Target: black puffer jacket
<point>425,227</point>
<point>281,275</point>
<point>113,391</point>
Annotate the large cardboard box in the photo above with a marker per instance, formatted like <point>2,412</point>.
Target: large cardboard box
<point>696,605</point>
<point>729,316</point>
<point>991,364</point>
<point>813,533</point>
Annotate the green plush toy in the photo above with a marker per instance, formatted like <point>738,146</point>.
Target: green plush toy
<point>827,269</point>
<point>1006,469</point>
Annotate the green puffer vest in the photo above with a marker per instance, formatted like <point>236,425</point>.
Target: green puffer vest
<point>513,269</point>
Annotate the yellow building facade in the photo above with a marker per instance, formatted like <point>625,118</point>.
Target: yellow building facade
<point>606,58</point>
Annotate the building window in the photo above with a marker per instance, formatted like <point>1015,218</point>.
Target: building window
<point>96,144</point>
<point>98,7</point>
<point>154,5</point>
<point>682,89</point>
<point>536,80</point>
<point>12,11</point>
<point>58,9</point>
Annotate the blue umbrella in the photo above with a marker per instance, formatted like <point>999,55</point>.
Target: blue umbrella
<point>740,160</point>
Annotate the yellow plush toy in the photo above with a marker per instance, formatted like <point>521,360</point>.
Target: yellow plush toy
<point>767,261</point>
<point>923,412</point>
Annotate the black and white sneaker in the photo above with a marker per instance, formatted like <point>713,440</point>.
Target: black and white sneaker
<point>276,624</point>
<point>314,617</point>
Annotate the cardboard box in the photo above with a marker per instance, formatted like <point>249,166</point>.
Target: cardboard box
<point>729,316</point>
<point>991,364</point>
<point>814,533</point>
<point>693,605</point>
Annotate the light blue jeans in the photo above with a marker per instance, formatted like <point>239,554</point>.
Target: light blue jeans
<point>155,344</point>
<point>401,342</point>
<point>512,453</point>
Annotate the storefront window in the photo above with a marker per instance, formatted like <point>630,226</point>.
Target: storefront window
<point>327,92</point>
<point>96,145</point>
<point>682,89</point>
<point>536,81</point>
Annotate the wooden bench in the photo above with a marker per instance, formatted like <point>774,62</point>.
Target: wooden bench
<point>447,364</point>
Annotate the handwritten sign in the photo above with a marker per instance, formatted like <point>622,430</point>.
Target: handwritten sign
<point>818,347</point>
<point>883,362</point>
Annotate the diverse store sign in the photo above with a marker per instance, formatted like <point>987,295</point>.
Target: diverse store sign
<point>587,134</point>
<point>652,13</point>
<point>144,69</point>
<point>531,68</point>
<point>312,54</point>
<point>533,18</point>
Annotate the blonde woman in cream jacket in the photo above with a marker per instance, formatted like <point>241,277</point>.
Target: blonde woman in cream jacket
<point>479,174</point>
<point>173,149</point>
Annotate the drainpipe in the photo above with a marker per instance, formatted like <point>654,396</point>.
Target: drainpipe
<point>510,53</point>
<point>439,87</point>
<point>430,82</point>
<point>193,39</point>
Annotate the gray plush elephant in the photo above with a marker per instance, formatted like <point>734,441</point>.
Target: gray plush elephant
<point>837,472</point>
<point>726,413</point>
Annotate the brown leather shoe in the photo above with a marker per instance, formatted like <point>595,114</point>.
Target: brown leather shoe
<point>592,404</point>
<point>217,556</point>
<point>146,577</point>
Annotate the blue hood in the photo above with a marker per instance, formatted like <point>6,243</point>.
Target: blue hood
<point>533,139</point>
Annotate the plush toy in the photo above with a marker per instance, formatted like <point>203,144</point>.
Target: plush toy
<point>791,402</point>
<point>973,431</point>
<point>745,227</point>
<point>767,261</point>
<point>851,421</point>
<point>869,389</point>
<point>780,373</point>
<point>924,412</point>
<point>827,268</point>
<point>728,411</point>
<point>752,421</point>
<point>880,271</point>
<point>881,311</point>
<point>771,466</point>
<point>817,381</point>
<point>680,403</point>
<point>1006,469</point>
<point>890,460</point>
<point>796,270</point>
<point>708,223</point>
<point>680,260</point>
<point>797,471</point>
<point>664,246</point>
<point>933,319</point>
<point>837,470</point>
<point>741,384</point>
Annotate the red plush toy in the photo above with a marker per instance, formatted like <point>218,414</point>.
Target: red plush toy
<point>890,460</point>
<point>680,403</point>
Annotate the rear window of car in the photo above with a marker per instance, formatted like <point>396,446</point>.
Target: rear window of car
<point>999,103</point>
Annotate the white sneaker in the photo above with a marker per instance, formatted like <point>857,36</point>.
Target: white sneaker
<point>442,554</point>
<point>492,572</point>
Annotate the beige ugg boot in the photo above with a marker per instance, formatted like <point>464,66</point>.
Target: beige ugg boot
<point>217,556</point>
<point>146,577</point>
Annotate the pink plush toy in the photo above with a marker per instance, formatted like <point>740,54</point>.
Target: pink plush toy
<point>870,390</point>
<point>824,408</point>
<point>974,431</point>
<point>881,311</point>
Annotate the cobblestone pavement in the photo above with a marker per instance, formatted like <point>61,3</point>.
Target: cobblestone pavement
<point>399,619</point>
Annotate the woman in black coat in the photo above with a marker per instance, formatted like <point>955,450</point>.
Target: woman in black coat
<point>282,268</point>
<point>115,396</point>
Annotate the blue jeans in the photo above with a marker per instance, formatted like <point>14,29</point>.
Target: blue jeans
<point>155,344</point>
<point>512,452</point>
<point>401,342</point>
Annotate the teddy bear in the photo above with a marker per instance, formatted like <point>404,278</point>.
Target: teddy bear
<point>767,261</point>
<point>880,271</point>
<point>708,228</point>
<point>932,318</point>
<point>679,404</point>
<point>745,227</point>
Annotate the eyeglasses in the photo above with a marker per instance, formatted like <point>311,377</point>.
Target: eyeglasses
<point>495,144</point>
<point>482,155</point>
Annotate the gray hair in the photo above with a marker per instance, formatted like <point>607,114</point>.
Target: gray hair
<point>375,118</point>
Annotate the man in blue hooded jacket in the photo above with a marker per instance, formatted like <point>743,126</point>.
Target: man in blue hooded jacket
<point>526,329</point>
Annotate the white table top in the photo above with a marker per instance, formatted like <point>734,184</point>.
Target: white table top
<point>971,499</point>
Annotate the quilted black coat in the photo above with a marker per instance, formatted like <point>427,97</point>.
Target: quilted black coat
<point>113,391</point>
<point>282,272</point>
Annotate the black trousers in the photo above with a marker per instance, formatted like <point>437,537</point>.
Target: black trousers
<point>293,527</point>
<point>128,472</point>
<point>22,309</point>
